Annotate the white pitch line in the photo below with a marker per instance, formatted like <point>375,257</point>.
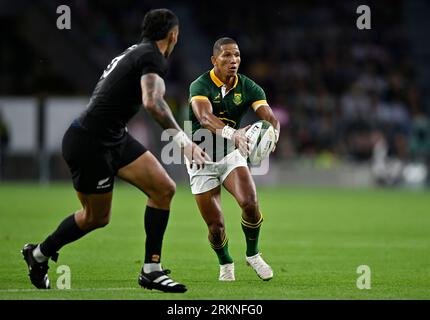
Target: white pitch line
<point>80,289</point>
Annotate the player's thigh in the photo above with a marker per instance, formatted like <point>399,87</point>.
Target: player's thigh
<point>147,174</point>
<point>209,204</point>
<point>89,161</point>
<point>240,184</point>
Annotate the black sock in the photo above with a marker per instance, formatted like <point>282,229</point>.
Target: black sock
<point>155,225</point>
<point>68,231</point>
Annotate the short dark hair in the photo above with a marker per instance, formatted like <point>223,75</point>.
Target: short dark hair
<point>220,42</point>
<point>157,23</point>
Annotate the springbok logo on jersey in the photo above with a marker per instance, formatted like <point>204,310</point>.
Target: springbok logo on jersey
<point>217,99</point>
<point>237,99</point>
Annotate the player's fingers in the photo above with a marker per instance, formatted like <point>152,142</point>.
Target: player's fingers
<point>243,149</point>
<point>196,163</point>
<point>199,159</point>
<point>200,163</point>
<point>205,156</point>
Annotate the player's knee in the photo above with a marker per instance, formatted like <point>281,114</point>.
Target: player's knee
<point>102,222</point>
<point>95,220</point>
<point>216,229</point>
<point>164,195</point>
<point>249,206</point>
<point>170,189</point>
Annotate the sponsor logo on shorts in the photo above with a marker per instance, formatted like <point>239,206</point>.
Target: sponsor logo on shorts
<point>102,183</point>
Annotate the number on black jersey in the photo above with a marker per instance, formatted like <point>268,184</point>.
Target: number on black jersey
<point>115,61</point>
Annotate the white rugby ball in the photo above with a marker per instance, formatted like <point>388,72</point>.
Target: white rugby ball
<point>262,140</point>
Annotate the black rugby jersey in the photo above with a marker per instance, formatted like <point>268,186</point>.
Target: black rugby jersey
<point>118,95</point>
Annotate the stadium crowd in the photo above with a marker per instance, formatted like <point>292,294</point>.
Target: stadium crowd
<point>337,90</point>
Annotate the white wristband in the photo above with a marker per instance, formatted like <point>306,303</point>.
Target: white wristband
<point>228,132</point>
<point>181,139</point>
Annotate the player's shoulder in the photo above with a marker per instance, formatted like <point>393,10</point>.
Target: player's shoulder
<point>246,80</point>
<point>146,47</point>
<point>147,50</point>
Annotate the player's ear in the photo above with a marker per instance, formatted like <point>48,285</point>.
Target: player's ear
<point>171,35</point>
<point>213,60</point>
<point>176,34</point>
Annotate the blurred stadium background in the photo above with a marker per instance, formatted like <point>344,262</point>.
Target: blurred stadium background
<point>354,104</point>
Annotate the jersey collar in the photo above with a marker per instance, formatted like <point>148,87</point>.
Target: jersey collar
<point>218,82</point>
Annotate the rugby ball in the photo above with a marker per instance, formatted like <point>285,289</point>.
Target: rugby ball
<point>262,140</point>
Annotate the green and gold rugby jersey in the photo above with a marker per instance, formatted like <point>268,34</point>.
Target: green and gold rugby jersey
<point>229,106</point>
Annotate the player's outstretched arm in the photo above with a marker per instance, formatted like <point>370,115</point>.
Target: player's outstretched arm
<point>265,113</point>
<point>153,90</point>
<point>202,108</point>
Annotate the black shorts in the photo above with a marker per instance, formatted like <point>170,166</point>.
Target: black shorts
<point>93,161</point>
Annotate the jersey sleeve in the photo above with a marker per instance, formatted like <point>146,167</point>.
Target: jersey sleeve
<point>198,90</point>
<point>153,63</point>
<point>257,96</point>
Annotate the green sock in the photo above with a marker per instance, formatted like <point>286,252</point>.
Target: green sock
<point>251,231</point>
<point>222,252</point>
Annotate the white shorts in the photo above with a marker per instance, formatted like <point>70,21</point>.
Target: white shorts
<point>214,173</point>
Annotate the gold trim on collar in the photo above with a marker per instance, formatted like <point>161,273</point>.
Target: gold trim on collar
<point>218,82</point>
<point>215,79</point>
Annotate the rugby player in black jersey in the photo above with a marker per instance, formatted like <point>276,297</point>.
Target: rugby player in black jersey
<point>97,147</point>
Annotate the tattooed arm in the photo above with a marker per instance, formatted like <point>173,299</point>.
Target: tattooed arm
<point>153,90</point>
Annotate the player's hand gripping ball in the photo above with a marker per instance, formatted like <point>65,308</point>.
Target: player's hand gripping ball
<point>262,140</point>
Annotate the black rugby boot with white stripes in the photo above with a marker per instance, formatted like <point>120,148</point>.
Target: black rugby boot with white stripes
<point>160,280</point>
<point>38,272</point>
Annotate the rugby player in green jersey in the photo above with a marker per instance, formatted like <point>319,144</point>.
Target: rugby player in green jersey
<point>218,100</point>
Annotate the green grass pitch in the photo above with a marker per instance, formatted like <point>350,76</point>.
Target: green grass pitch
<point>314,238</point>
